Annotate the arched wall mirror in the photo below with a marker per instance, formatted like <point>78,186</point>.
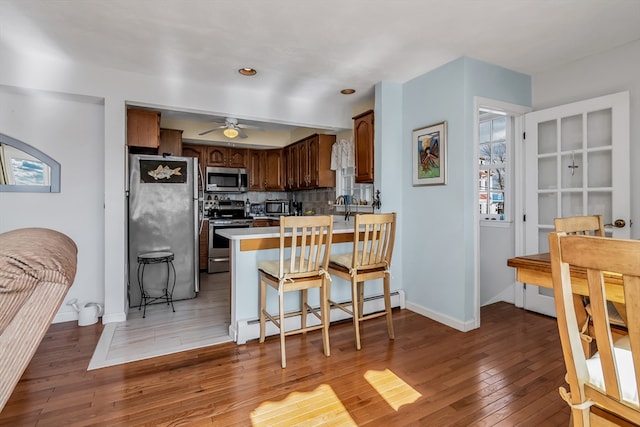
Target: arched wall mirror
<point>23,168</point>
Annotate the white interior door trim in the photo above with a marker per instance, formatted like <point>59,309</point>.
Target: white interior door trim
<point>518,112</point>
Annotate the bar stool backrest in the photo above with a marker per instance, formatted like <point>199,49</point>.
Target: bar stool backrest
<point>305,244</point>
<point>373,241</point>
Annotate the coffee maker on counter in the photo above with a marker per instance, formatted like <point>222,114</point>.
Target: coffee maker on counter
<point>296,208</point>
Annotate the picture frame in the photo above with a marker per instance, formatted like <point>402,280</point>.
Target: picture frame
<point>430,155</point>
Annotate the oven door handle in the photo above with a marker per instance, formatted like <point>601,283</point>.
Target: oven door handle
<point>224,259</point>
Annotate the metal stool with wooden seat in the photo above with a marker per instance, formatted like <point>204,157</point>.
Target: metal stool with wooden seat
<point>305,244</point>
<point>160,257</point>
<point>374,235</point>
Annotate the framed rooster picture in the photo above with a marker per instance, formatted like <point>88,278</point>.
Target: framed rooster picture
<point>430,155</point>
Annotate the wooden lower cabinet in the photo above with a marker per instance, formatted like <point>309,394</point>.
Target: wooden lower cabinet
<point>266,222</point>
<point>204,246</point>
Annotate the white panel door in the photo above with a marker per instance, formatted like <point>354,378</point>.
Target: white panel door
<point>577,163</point>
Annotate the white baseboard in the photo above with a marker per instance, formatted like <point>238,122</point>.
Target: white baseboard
<point>68,316</point>
<point>249,329</point>
<point>507,295</point>
<point>443,318</point>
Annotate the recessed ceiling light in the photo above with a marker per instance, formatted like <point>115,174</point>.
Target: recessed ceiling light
<point>247,71</point>
<point>347,91</point>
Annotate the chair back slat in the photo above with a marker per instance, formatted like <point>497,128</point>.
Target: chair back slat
<point>584,225</point>
<point>306,243</point>
<point>603,332</point>
<point>373,241</point>
<point>632,298</point>
<point>616,369</point>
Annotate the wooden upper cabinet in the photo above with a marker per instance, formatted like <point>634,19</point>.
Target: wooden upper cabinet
<point>199,151</point>
<point>363,146</point>
<point>143,128</point>
<point>170,142</point>
<point>314,159</point>
<point>304,177</point>
<point>256,170</point>
<point>274,171</point>
<point>293,167</point>
<point>227,157</point>
<point>237,157</point>
<point>195,150</point>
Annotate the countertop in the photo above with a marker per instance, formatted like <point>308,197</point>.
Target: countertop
<point>339,226</point>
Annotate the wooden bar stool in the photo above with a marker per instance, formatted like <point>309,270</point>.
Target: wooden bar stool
<point>370,259</point>
<point>167,293</point>
<point>305,244</point>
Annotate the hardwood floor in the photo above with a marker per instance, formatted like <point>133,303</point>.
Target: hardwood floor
<point>505,373</point>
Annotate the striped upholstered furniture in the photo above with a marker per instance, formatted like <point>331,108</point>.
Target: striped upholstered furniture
<point>37,267</point>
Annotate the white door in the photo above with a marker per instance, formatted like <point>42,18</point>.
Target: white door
<point>576,163</point>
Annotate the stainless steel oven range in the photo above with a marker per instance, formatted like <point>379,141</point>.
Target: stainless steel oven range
<point>227,214</point>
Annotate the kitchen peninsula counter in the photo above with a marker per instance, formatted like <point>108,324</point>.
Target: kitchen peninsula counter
<point>248,246</point>
<point>262,237</point>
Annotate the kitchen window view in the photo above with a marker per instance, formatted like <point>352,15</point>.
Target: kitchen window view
<point>493,179</point>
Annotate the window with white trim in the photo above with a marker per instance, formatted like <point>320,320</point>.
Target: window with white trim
<point>495,136</point>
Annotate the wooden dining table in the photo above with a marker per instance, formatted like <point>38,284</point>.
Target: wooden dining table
<point>536,270</point>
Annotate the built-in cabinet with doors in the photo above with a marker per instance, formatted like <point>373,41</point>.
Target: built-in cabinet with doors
<point>170,142</point>
<point>143,128</point>
<point>266,171</point>
<point>363,146</point>
<point>199,151</point>
<point>204,246</point>
<point>305,164</point>
<point>227,157</point>
<point>309,163</point>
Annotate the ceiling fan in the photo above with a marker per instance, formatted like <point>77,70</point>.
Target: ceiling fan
<point>231,128</point>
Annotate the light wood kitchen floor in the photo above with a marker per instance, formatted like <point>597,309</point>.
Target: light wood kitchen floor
<point>197,323</point>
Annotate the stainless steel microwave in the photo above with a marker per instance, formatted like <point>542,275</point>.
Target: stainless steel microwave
<point>276,207</point>
<point>227,180</point>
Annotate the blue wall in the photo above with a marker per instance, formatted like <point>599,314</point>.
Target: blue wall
<point>438,234</point>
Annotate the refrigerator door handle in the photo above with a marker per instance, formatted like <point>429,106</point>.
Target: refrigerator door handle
<point>201,196</point>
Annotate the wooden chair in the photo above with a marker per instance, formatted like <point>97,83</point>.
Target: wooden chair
<point>609,380</point>
<point>369,260</point>
<point>305,244</point>
<point>589,225</point>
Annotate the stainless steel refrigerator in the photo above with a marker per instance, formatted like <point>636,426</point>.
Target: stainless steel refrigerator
<point>163,215</point>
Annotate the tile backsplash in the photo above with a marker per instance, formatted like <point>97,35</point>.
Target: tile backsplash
<point>319,200</point>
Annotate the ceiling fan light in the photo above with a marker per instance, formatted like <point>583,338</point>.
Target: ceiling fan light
<point>230,132</point>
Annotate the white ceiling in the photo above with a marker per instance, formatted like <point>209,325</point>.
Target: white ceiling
<point>312,49</point>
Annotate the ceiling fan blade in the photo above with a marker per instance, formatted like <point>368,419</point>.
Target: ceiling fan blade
<point>207,131</point>
<point>241,133</point>
<point>213,129</point>
<point>249,126</point>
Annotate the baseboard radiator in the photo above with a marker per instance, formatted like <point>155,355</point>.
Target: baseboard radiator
<point>250,329</point>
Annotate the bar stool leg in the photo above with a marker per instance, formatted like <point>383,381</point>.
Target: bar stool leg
<point>143,298</point>
<point>170,295</point>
